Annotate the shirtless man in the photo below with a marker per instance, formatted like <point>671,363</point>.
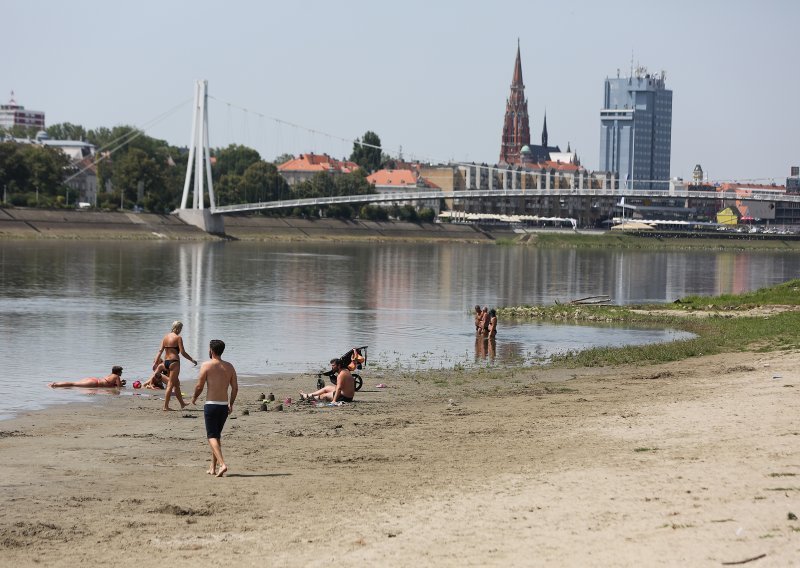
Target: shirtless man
<point>343,391</point>
<point>111,381</point>
<point>220,375</point>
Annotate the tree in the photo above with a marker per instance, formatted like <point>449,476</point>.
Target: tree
<point>374,213</point>
<point>18,131</point>
<point>135,167</point>
<point>66,131</point>
<point>228,190</point>
<point>320,185</point>
<point>14,172</point>
<point>354,183</point>
<point>234,159</point>
<point>282,159</point>
<point>45,168</point>
<point>367,152</point>
<point>262,182</point>
<point>427,215</point>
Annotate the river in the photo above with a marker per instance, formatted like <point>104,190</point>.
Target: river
<point>69,310</point>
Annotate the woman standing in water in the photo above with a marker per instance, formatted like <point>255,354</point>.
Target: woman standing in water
<point>172,348</point>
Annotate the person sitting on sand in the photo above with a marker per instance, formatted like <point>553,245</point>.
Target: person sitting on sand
<point>157,380</point>
<point>343,391</point>
<point>114,380</point>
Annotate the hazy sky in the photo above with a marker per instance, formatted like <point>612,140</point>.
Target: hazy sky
<point>432,77</point>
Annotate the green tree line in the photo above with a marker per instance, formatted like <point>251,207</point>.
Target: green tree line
<point>134,169</point>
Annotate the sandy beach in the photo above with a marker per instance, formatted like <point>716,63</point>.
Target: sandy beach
<point>694,463</point>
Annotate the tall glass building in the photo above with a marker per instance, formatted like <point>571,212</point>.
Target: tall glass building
<point>636,130</point>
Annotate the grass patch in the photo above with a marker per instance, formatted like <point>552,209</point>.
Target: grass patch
<point>645,449</point>
<point>714,335</point>
<point>505,241</point>
<point>645,242</point>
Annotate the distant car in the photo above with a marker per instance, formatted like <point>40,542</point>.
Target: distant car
<point>84,205</point>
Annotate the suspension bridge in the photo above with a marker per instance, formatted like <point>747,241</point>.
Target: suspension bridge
<point>198,183</point>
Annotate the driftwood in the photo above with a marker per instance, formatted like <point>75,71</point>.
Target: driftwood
<point>601,299</point>
<point>745,561</point>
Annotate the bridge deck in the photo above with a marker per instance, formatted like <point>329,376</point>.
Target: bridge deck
<point>501,193</point>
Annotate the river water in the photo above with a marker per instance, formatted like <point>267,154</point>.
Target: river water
<point>69,310</point>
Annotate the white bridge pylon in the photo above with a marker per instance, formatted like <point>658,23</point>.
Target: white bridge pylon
<point>199,153</point>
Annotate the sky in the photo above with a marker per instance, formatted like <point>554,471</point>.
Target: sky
<point>430,78</point>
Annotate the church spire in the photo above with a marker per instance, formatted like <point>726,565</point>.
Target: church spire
<point>516,129</point>
<point>516,82</point>
<point>544,131</point>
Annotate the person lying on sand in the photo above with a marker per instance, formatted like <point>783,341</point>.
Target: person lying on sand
<point>111,381</point>
<point>343,391</point>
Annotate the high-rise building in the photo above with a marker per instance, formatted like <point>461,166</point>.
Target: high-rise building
<point>12,115</point>
<point>636,130</point>
<point>793,181</point>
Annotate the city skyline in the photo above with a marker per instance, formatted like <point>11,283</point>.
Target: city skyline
<point>429,78</point>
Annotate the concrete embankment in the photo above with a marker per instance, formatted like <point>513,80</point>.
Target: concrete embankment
<point>24,223</point>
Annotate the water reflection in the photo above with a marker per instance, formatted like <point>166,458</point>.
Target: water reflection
<point>82,307</point>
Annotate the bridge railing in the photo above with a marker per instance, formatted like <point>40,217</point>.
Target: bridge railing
<point>755,195</point>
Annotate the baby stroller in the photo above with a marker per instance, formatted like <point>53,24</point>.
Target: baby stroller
<point>350,363</point>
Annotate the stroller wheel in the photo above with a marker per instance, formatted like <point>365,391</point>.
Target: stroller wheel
<point>358,381</point>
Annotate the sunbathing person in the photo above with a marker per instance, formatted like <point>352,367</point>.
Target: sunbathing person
<point>157,380</point>
<point>343,391</point>
<point>114,380</point>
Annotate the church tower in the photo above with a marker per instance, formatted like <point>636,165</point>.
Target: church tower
<point>544,132</point>
<point>516,130</point>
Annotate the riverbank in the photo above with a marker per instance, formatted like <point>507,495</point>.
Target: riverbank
<point>22,223</point>
<point>69,224</point>
<point>684,463</point>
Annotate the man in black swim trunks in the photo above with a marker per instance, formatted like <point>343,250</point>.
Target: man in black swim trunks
<point>220,376</point>
<point>343,391</point>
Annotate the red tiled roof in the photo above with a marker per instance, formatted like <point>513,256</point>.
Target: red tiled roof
<point>562,167</point>
<point>317,163</point>
<point>395,178</point>
<point>429,183</point>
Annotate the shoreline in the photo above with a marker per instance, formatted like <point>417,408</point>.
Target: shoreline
<point>659,465</point>
<point>24,224</point>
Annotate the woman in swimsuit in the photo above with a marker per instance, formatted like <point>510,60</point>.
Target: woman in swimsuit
<point>114,380</point>
<point>172,348</point>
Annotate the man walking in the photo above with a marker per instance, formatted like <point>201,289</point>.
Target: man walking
<point>220,375</point>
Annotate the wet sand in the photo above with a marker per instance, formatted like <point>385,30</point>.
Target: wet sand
<point>694,463</point>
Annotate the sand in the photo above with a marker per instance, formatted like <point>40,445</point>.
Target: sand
<point>693,463</point>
